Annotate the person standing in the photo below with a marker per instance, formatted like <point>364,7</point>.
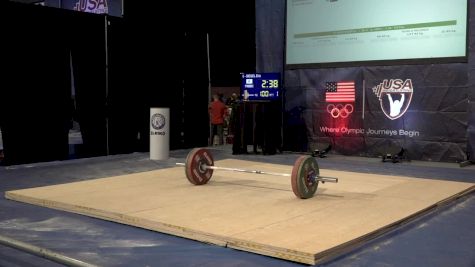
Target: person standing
<point>217,113</point>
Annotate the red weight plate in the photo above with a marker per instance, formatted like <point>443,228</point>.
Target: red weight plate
<point>304,172</point>
<point>194,166</point>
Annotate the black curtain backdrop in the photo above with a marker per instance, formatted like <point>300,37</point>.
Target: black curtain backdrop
<point>155,67</point>
<point>35,93</point>
<point>195,90</point>
<point>174,47</point>
<point>232,28</point>
<point>88,57</point>
<point>471,89</point>
<point>123,100</point>
<point>151,63</point>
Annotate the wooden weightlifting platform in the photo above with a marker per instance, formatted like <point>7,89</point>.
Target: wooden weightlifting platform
<point>256,213</point>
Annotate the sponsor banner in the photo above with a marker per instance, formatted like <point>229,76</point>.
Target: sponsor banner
<point>110,7</point>
<point>401,99</point>
<point>373,111</point>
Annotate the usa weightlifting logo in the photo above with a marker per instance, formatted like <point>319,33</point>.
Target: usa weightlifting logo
<point>157,121</point>
<point>394,96</point>
<point>91,6</point>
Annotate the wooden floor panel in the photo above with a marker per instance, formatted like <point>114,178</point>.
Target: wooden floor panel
<point>251,212</point>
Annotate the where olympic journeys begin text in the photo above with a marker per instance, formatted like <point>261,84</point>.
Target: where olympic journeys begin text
<point>369,131</point>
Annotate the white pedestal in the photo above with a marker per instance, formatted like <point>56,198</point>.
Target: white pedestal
<point>159,133</point>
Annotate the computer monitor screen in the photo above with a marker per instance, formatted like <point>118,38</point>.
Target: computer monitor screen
<point>326,33</point>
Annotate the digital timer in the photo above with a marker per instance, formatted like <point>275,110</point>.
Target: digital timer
<point>260,86</point>
<point>270,83</point>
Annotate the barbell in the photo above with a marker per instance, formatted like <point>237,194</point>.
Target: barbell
<point>305,176</point>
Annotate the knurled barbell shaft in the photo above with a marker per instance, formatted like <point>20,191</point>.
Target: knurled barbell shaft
<point>319,178</point>
<point>248,171</point>
<point>239,170</point>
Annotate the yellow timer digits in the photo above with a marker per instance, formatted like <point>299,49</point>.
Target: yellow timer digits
<point>270,83</point>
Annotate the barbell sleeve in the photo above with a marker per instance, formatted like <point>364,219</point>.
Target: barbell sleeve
<point>324,179</point>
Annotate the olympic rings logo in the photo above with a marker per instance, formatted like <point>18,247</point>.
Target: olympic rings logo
<point>339,110</point>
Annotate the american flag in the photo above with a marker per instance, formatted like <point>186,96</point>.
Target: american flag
<point>340,91</point>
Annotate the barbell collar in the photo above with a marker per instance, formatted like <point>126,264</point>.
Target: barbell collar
<point>325,179</point>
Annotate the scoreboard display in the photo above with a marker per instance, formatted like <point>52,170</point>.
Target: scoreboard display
<point>260,86</point>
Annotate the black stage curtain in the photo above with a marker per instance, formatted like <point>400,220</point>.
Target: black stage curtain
<point>123,103</point>
<point>195,114</point>
<point>155,71</point>
<point>152,63</point>
<point>35,93</point>
<point>88,58</point>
